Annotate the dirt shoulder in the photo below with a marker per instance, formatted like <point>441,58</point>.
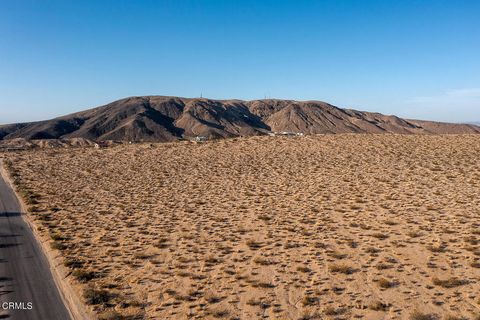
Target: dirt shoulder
<point>68,292</point>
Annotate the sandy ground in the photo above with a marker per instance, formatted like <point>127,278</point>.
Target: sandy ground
<point>315,227</point>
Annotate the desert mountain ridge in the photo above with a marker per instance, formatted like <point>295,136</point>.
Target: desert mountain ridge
<point>163,118</point>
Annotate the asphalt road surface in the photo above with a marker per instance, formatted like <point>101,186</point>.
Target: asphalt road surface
<point>25,277</point>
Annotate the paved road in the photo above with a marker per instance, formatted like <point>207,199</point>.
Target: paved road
<point>24,272</point>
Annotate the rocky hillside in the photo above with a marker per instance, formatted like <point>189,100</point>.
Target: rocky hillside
<point>159,118</point>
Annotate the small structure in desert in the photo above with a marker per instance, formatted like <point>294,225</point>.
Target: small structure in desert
<point>286,133</point>
<point>200,139</point>
<point>100,145</point>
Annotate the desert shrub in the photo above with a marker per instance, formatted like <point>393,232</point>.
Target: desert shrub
<point>73,263</point>
<point>57,237</point>
<point>391,222</point>
<point>57,245</point>
<point>162,243</point>
<point>372,250</point>
<point>254,245</point>
<point>452,317</point>
<point>337,255</point>
<point>9,165</point>
<point>320,245</point>
<point>385,283</point>
<point>212,260</point>
<point>380,236</point>
<point>352,243</point>
<point>472,240</point>
<point>449,283</point>
<point>341,268</point>
<point>304,269</point>
<point>307,315</point>
<point>378,306</point>
<point>184,274</point>
<point>383,266</point>
<point>331,311</point>
<point>219,313</point>
<point>45,217</point>
<point>213,298</point>
<point>142,255</point>
<point>110,315</point>
<point>309,301</point>
<point>414,234</point>
<point>254,302</point>
<point>264,217</point>
<point>264,285</point>
<point>365,226</point>
<point>257,302</point>
<point>33,209</point>
<point>437,248</point>
<point>84,275</point>
<point>417,315</point>
<point>94,296</point>
<point>262,261</point>
<point>29,197</point>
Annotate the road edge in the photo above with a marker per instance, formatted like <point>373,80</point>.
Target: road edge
<point>68,294</point>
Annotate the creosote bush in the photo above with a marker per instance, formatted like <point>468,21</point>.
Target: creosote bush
<point>83,275</point>
<point>341,268</point>
<point>97,296</point>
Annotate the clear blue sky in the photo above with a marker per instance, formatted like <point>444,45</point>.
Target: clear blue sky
<point>416,59</point>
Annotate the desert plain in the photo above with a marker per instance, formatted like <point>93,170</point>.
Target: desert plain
<point>348,226</point>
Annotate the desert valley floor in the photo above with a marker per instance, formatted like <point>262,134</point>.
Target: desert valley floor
<point>315,227</point>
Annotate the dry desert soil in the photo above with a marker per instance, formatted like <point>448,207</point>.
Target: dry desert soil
<point>314,227</point>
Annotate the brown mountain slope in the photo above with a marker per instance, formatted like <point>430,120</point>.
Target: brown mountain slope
<point>159,118</point>
<point>438,127</point>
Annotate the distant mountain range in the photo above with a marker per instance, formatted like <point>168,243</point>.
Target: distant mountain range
<point>160,118</point>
